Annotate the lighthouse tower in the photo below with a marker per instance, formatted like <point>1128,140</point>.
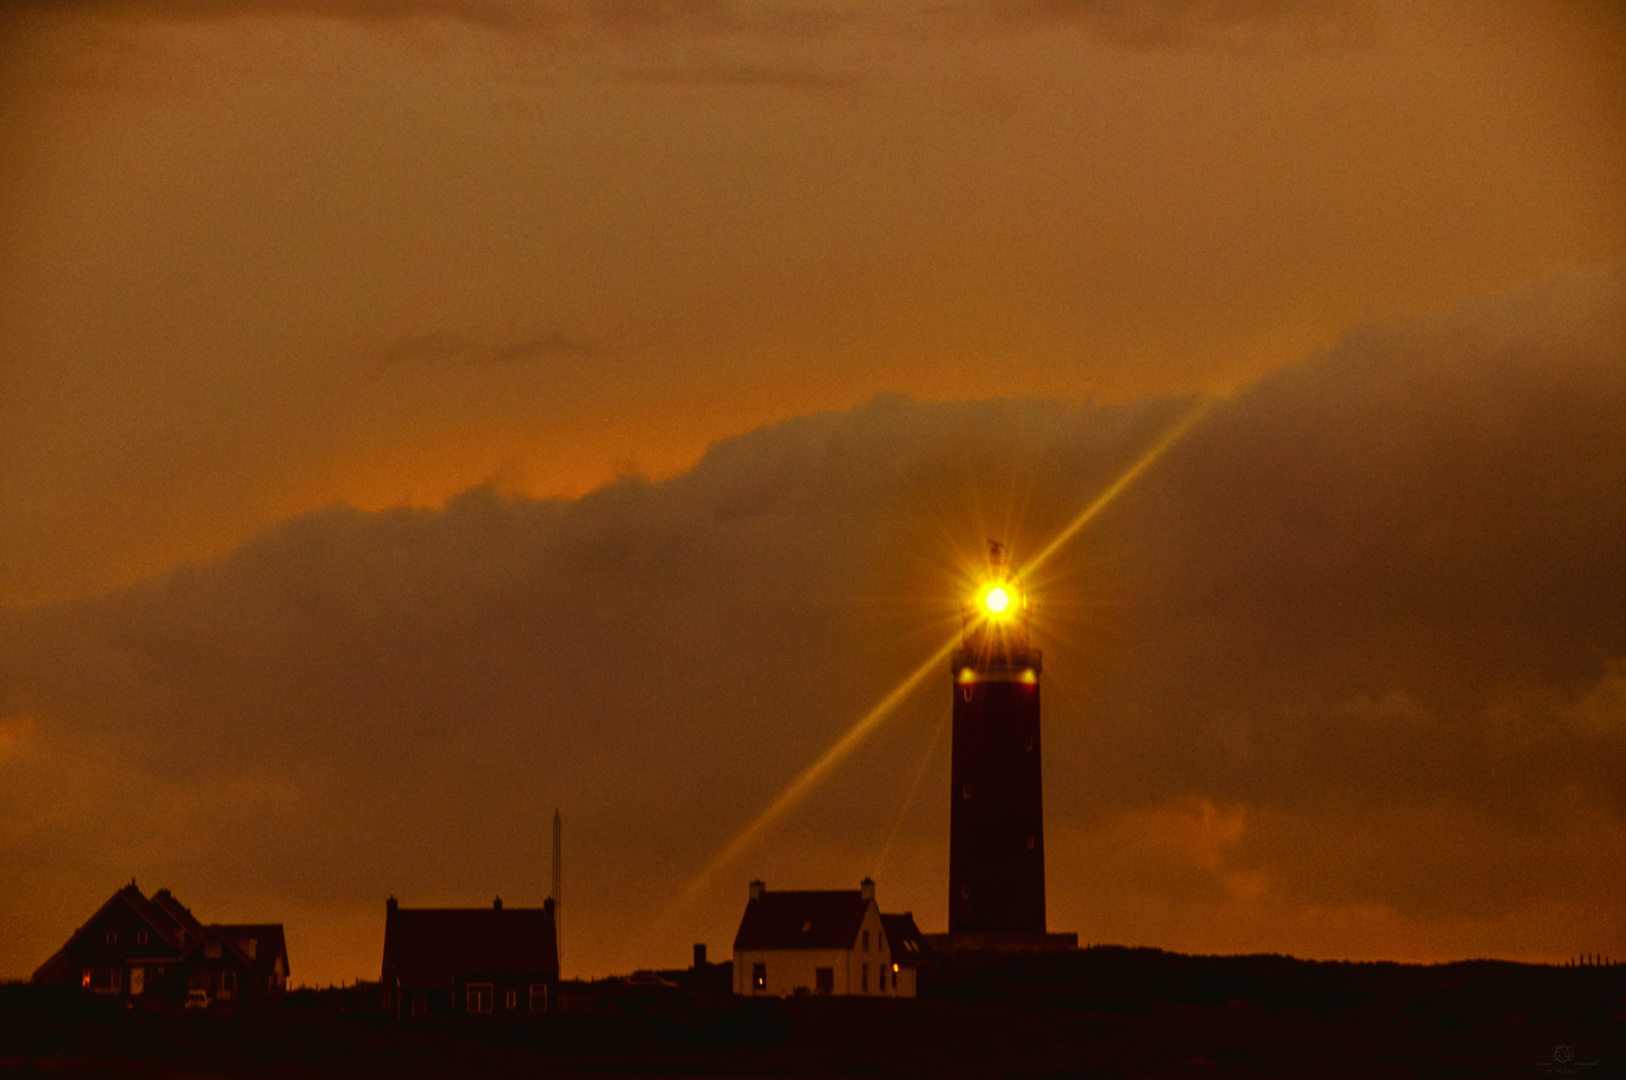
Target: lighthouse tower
<point>996,818</point>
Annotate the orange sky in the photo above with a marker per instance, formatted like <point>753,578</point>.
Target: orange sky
<point>378,254</point>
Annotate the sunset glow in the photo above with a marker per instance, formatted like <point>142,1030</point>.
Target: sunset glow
<point>417,416</point>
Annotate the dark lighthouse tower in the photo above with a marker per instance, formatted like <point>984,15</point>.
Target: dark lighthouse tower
<point>996,820</point>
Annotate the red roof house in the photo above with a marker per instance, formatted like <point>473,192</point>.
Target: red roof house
<point>492,961</point>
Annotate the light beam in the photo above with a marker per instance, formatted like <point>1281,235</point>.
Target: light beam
<point>815,773</point>
<point>1114,489</point>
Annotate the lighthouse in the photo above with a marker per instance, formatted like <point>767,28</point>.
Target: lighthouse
<point>996,818</point>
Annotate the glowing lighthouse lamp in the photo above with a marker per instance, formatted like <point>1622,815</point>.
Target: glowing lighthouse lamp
<point>995,623</point>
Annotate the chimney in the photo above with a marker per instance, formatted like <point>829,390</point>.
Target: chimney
<point>496,905</point>
<point>757,889</point>
<point>390,906</point>
<point>699,956</point>
<point>866,889</point>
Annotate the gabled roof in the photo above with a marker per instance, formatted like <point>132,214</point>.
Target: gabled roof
<point>152,914</point>
<point>267,938</point>
<point>176,911</point>
<point>441,942</point>
<point>904,938</point>
<point>268,942</point>
<point>129,896</point>
<point>806,919</point>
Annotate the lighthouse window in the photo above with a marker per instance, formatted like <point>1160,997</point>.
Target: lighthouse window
<point>965,892</point>
<point>965,791</point>
<point>1030,843</point>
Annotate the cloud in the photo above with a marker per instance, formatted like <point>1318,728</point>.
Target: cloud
<point>1347,662</point>
<point>446,350</point>
<point>1155,24</point>
<point>1140,24</point>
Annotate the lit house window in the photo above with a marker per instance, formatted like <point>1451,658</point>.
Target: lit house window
<point>102,980</point>
<point>759,977</point>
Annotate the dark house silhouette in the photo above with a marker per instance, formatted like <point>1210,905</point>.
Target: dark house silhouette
<point>493,961</point>
<point>153,951</point>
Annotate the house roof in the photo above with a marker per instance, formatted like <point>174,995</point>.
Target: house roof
<point>904,938</point>
<point>441,942</point>
<point>805,919</point>
<point>168,930</point>
<point>176,912</point>
<point>267,938</point>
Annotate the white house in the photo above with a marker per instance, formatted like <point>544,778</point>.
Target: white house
<point>826,941</point>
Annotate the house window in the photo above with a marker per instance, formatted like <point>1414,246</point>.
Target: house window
<point>141,937</point>
<point>479,997</point>
<point>512,1000</point>
<point>112,937</point>
<point>211,950</point>
<point>866,940</point>
<point>228,985</point>
<point>759,978</point>
<point>138,980</point>
<point>419,1006</point>
<point>824,980</point>
<point>539,997</point>
<point>863,978</point>
<point>102,980</point>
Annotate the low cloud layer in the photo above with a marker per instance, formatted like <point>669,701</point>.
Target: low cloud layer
<point>1344,675</point>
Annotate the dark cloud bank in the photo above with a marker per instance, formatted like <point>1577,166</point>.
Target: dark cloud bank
<point>1345,674</point>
